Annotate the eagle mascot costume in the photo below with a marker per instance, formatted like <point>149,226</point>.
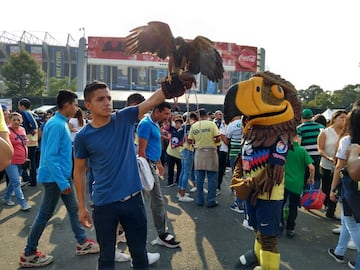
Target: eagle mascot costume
<point>271,111</point>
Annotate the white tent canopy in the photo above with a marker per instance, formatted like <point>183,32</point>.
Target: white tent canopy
<point>329,112</point>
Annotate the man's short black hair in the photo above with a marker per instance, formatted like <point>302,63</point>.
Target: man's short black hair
<point>202,112</point>
<point>134,99</point>
<point>91,87</point>
<point>162,106</point>
<point>65,96</point>
<point>25,102</point>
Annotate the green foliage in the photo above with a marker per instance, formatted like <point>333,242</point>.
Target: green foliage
<point>23,76</point>
<point>309,94</point>
<point>55,84</point>
<point>314,96</point>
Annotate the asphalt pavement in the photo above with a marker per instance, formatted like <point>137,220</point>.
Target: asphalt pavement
<point>211,238</point>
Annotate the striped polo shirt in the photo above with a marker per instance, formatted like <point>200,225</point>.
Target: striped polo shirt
<point>308,132</point>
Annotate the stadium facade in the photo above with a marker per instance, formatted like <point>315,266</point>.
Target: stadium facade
<point>103,58</point>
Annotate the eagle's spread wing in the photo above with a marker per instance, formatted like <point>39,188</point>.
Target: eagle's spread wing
<point>204,58</point>
<point>155,37</point>
<point>196,56</point>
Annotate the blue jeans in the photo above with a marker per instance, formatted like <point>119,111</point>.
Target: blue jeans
<point>232,163</point>
<point>187,161</point>
<point>238,201</point>
<point>33,166</point>
<point>131,214</point>
<point>212,185</point>
<point>13,172</point>
<point>51,195</point>
<point>349,230</point>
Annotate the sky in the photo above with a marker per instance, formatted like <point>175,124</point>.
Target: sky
<point>306,42</point>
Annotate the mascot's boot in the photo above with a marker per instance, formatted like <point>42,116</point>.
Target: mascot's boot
<point>269,261</point>
<point>251,257</point>
<point>247,259</point>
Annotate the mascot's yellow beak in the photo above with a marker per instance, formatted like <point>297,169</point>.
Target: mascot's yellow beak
<point>263,105</point>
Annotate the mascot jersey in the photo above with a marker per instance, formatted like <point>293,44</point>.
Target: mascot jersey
<point>255,160</point>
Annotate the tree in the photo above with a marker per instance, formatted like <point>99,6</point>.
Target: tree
<point>23,76</point>
<point>55,84</point>
<point>309,94</point>
<point>322,100</point>
<point>346,97</point>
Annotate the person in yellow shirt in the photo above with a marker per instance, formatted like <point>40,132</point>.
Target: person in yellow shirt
<point>205,136</point>
<point>6,148</point>
<point>173,151</point>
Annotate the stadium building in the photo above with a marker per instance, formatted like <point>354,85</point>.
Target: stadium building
<point>103,58</point>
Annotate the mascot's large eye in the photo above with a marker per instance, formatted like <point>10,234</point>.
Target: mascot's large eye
<point>277,91</point>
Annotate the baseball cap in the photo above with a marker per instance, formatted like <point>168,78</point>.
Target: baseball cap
<point>202,112</point>
<point>307,114</point>
<point>4,107</point>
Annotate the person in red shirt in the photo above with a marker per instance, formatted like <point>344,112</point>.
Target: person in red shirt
<point>18,140</point>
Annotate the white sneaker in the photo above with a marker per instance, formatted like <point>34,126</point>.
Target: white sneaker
<point>193,189</point>
<point>152,258</point>
<point>23,184</point>
<point>351,245</point>
<point>246,225</point>
<point>336,230</point>
<point>185,199</point>
<point>205,191</point>
<point>26,207</point>
<point>9,202</point>
<point>178,194</point>
<point>121,257</point>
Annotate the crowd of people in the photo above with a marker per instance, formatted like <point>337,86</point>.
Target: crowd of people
<point>193,150</point>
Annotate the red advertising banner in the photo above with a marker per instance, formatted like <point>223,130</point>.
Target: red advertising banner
<point>236,57</point>
<point>242,58</point>
<point>226,51</point>
<point>113,48</point>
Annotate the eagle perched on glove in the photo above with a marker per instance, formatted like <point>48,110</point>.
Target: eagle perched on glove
<point>185,58</point>
<point>272,111</point>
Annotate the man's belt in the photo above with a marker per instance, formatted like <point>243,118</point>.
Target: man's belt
<point>129,196</point>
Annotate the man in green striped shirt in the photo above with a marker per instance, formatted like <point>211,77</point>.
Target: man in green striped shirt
<point>308,132</point>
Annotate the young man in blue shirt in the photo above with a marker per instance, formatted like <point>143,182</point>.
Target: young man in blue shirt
<point>55,175</point>
<point>107,143</point>
<point>149,148</point>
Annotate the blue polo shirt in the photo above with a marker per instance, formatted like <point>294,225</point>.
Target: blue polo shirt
<point>150,131</point>
<point>56,152</point>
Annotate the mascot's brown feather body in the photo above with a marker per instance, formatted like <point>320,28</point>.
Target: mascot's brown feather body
<point>271,112</point>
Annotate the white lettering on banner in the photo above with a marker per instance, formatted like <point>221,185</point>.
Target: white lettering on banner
<point>247,58</point>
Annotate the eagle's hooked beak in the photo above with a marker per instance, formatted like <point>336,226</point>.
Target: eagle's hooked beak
<point>246,98</point>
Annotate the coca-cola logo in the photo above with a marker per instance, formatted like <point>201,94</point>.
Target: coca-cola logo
<point>247,58</point>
